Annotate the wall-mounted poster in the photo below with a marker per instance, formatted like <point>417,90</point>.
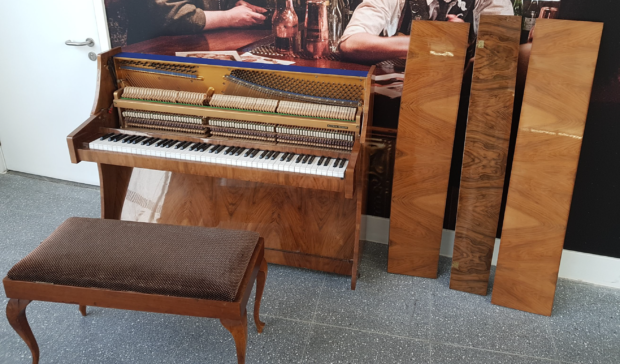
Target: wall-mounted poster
<point>355,34</point>
<point>342,34</point>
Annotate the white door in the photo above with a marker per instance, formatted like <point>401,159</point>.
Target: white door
<point>48,87</point>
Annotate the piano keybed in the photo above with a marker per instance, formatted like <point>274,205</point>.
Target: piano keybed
<point>240,156</point>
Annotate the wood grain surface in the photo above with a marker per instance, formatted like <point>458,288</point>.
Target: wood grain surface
<point>427,121</point>
<point>486,148</point>
<point>555,106</point>
<point>303,221</point>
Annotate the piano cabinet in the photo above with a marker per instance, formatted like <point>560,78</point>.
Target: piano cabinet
<point>307,221</point>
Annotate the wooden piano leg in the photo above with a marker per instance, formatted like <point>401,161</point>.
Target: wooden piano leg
<point>360,195</point>
<point>114,181</point>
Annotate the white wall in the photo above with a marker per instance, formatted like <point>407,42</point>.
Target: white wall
<point>49,87</point>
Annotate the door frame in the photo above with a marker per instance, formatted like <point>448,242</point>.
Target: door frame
<point>102,25</point>
<point>2,162</point>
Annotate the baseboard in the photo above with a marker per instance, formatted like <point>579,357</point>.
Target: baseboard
<point>2,163</point>
<point>589,268</point>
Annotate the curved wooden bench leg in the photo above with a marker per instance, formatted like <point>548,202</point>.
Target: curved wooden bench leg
<point>16,313</point>
<point>83,310</point>
<point>260,287</point>
<point>239,331</point>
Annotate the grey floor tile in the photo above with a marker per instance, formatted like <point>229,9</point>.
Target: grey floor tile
<point>585,323</point>
<point>449,354</point>
<point>350,325</point>
<point>339,345</point>
<point>291,292</point>
<point>381,303</point>
<point>48,323</point>
<point>19,193</point>
<point>117,336</point>
<point>207,341</point>
<point>471,320</point>
<point>21,232</point>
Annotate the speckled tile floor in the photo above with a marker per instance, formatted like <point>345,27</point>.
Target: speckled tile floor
<point>311,317</point>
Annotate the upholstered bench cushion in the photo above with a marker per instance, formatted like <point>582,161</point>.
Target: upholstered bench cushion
<point>183,261</point>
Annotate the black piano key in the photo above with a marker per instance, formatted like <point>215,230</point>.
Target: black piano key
<point>118,137</point>
<point>336,162</point>
<point>130,137</point>
<point>290,157</point>
<point>321,160</point>
<point>106,136</point>
<point>138,140</point>
<point>213,148</point>
<point>145,141</point>
<point>113,137</point>
<point>342,162</point>
<point>220,149</point>
<point>284,157</point>
<point>239,151</point>
<point>301,156</point>
<point>263,154</point>
<point>179,145</point>
<point>185,145</point>
<point>275,155</point>
<point>131,140</point>
<point>193,147</point>
<point>327,161</point>
<point>268,156</point>
<point>155,140</point>
<point>203,147</point>
<point>171,143</point>
<point>303,161</point>
<point>254,153</point>
<point>249,152</point>
<point>160,142</point>
<point>311,159</point>
<point>228,150</point>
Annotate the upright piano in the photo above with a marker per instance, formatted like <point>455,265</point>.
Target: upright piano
<point>268,148</point>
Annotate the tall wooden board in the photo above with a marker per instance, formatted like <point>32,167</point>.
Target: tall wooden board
<point>428,112</point>
<point>486,148</point>
<point>555,105</point>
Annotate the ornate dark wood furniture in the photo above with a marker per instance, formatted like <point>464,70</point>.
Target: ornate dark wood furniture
<point>553,117</point>
<point>486,148</point>
<point>428,112</point>
<point>309,218</point>
<point>191,271</point>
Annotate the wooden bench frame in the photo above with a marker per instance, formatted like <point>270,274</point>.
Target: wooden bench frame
<point>232,315</point>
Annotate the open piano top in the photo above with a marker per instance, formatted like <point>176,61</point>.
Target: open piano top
<point>191,103</point>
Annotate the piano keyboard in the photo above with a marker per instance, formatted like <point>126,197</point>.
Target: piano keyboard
<point>222,154</point>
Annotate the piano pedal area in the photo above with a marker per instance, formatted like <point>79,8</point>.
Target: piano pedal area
<point>213,152</point>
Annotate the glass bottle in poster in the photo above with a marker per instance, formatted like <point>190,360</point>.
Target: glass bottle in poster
<point>335,20</point>
<point>530,15</point>
<point>316,32</point>
<point>518,7</point>
<point>286,26</point>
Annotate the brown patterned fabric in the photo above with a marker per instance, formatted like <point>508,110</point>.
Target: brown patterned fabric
<point>183,261</point>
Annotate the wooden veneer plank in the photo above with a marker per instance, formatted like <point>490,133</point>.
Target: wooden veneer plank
<point>428,112</point>
<point>486,148</point>
<point>555,106</point>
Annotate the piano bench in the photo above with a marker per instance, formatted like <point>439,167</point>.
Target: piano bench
<point>183,270</point>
